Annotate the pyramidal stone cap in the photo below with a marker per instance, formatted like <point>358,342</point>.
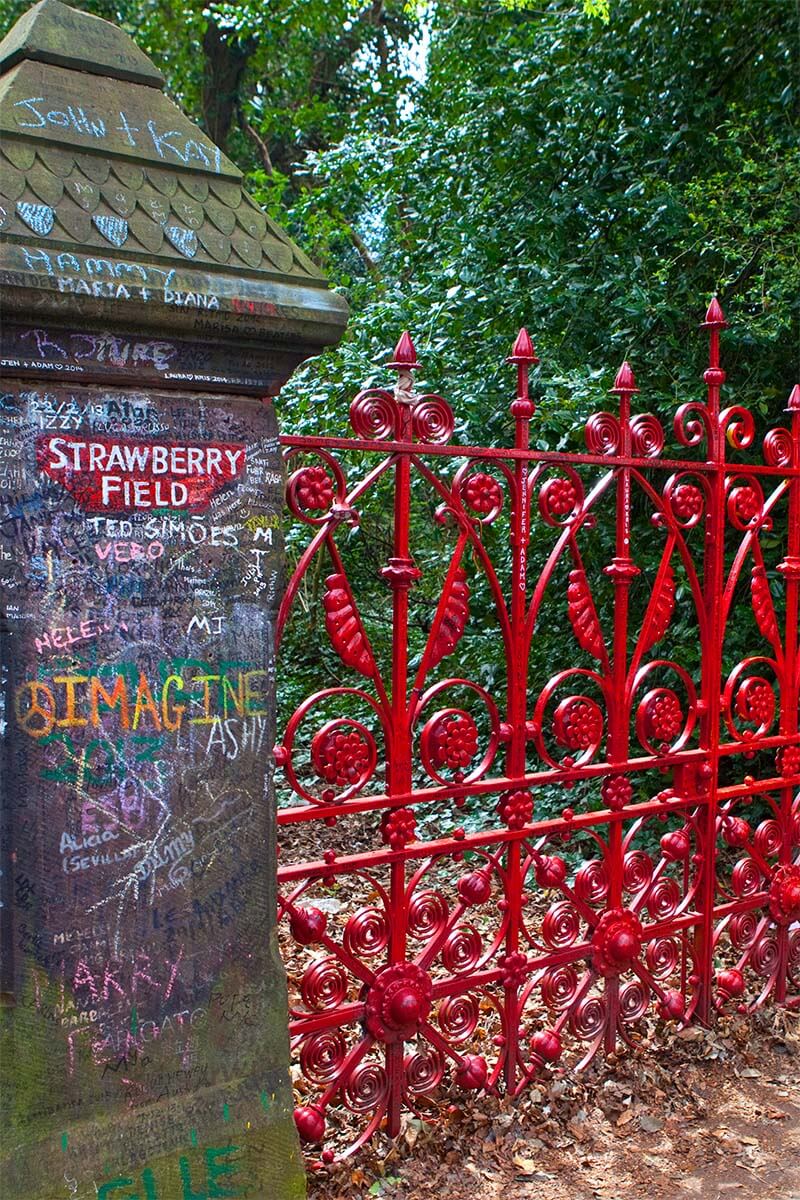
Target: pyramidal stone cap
<point>51,32</point>
<point>114,205</point>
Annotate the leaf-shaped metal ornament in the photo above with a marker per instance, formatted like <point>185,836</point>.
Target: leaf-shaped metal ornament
<point>583,614</point>
<point>763,608</point>
<point>344,626</point>
<point>659,611</point>
<point>453,621</point>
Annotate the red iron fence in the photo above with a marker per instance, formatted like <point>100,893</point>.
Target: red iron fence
<point>519,860</point>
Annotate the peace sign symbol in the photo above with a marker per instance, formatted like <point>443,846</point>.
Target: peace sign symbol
<point>35,706</point>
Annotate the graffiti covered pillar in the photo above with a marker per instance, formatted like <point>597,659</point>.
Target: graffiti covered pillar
<point>149,307</point>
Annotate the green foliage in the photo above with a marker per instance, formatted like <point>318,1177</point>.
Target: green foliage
<point>596,184</point>
<point>380,1186</point>
<point>592,8</point>
<point>462,168</point>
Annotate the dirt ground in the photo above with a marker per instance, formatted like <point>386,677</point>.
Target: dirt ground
<point>713,1114</point>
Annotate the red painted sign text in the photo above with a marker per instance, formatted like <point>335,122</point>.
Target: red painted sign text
<point>122,475</point>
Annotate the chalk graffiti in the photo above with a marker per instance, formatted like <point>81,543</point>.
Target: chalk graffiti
<point>69,118</point>
<point>139,714</point>
<point>204,623</point>
<point>233,737</point>
<point>169,144</point>
<point>218,1165</point>
<point>74,700</point>
<point>128,551</point>
<point>63,636</point>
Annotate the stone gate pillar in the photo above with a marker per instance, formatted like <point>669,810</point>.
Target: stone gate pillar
<point>150,310</point>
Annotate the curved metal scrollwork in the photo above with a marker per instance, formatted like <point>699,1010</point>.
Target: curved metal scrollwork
<point>544,791</point>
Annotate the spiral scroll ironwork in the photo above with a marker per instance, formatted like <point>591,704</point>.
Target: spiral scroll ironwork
<point>503,850</point>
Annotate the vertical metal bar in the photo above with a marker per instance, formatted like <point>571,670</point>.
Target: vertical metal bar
<point>790,697</point>
<point>522,409</point>
<point>622,571</point>
<point>400,574</point>
<point>711,668</point>
<point>702,788</point>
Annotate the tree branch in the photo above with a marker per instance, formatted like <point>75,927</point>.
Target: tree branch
<point>744,275</point>
<point>226,60</point>
<point>358,242</point>
<point>261,145</point>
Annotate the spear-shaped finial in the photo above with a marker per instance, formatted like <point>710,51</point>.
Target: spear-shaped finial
<point>625,387</point>
<point>714,376</point>
<point>715,317</point>
<point>625,380</point>
<point>524,357</point>
<point>405,354</point>
<point>522,351</point>
<point>404,362</point>
<point>793,403</point>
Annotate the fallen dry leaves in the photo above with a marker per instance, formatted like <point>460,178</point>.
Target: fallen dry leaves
<point>711,1114</point>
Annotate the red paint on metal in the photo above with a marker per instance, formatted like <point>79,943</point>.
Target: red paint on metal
<point>668,881</point>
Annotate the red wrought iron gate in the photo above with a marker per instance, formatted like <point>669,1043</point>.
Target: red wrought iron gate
<point>492,862</point>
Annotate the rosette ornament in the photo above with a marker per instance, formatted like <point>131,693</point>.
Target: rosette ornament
<point>482,494</point>
<point>341,753</point>
<point>398,1001</point>
<point>616,942</point>
<point>559,498</point>
<point>578,723</point>
<point>315,490</point>
<point>789,761</point>
<point>515,809</point>
<point>784,895</point>
<point>687,503</point>
<point>454,740</point>
<point>617,791</point>
<point>398,827</point>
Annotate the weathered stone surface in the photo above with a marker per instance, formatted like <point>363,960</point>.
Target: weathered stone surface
<point>147,1015</point>
<point>113,204</point>
<point>149,310</point>
<point>52,32</point>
